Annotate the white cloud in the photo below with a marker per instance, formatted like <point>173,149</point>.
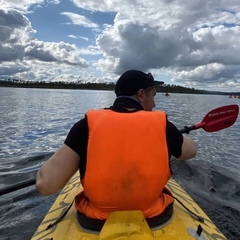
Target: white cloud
<point>72,36</point>
<point>24,5</point>
<point>194,42</point>
<point>18,48</point>
<point>172,37</point>
<point>75,37</point>
<point>104,6</point>
<point>84,38</point>
<point>90,50</point>
<point>201,73</point>
<point>79,20</point>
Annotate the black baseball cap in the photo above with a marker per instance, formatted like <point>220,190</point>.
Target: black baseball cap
<point>133,80</point>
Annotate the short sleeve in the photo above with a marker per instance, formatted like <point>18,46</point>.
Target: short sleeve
<point>174,140</point>
<point>77,137</point>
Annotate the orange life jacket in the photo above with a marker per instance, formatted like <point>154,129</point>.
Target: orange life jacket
<point>127,164</point>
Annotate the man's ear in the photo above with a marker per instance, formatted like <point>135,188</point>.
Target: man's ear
<point>140,95</point>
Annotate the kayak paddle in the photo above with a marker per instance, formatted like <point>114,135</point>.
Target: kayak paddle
<point>17,186</point>
<point>215,120</point>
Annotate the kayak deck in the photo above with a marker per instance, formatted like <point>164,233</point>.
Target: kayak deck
<point>126,224</point>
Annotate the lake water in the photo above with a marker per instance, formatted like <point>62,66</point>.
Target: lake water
<point>35,122</point>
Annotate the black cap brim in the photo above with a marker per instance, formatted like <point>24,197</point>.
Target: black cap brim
<point>158,82</point>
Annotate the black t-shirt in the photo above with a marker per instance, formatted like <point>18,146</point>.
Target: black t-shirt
<point>77,138</point>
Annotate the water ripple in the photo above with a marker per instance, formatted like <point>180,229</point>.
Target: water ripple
<point>35,122</point>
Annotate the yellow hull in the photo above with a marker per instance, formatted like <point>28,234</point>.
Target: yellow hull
<point>126,224</point>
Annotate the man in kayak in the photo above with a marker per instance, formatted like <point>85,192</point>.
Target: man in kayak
<point>123,155</point>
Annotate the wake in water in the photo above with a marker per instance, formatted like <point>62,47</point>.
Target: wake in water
<point>21,213</point>
<point>22,170</point>
<point>22,210</point>
<point>214,190</point>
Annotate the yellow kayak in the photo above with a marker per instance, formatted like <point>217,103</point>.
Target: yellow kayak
<point>128,224</point>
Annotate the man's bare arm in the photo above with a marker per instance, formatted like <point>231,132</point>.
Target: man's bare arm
<point>189,148</point>
<point>57,170</point>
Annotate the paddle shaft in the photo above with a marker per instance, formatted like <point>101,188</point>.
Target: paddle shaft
<point>187,129</point>
<point>18,186</point>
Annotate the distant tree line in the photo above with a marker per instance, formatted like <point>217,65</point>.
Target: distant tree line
<point>165,88</point>
<point>57,84</point>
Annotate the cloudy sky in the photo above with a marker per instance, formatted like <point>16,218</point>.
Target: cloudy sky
<point>182,42</point>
